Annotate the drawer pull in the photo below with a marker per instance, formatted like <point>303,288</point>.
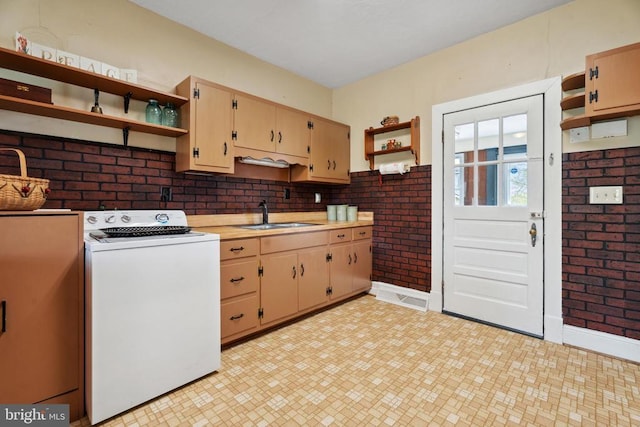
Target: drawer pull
<point>362,233</point>
<point>237,316</point>
<point>341,236</point>
<point>234,280</point>
<point>241,248</point>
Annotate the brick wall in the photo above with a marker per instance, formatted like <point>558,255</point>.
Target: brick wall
<point>402,234</point>
<point>85,176</point>
<point>601,243</point>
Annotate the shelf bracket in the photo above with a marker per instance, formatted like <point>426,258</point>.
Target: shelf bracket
<point>125,136</point>
<point>127,99</point>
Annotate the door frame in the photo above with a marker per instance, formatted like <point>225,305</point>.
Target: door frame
<point>552,95</point>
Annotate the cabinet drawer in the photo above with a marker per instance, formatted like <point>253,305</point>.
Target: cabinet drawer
<point>238,278</point>
<point>340,235</point>
<point>240,248</point>
<point>362,233</point>
<point>288,242</point>
<point>239,316</point>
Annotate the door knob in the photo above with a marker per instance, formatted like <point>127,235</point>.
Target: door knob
<point>533,232</point>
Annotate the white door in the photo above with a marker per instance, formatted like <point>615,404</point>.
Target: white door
<point>493,214</point>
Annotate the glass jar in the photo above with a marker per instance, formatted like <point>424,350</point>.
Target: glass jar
<point>170,115</point>
<point>153,113</point>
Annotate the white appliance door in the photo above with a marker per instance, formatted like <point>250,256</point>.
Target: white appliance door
<point>153,321</point>
<point>493,214</point>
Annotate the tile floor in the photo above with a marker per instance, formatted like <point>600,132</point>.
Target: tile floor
<point>371,363</point>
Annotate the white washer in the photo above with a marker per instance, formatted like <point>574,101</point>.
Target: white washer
<point>152,308</point>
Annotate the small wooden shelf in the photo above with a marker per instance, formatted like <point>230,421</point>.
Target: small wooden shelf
<point>572,101</point>
<point>414,127</point>
<point>63,73</point>
<point>65,113</point>
<point>575,122</point>
<point>573,81</point>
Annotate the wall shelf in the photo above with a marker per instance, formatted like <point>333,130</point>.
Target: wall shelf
<point>369,140</point>
<point>51,70</point>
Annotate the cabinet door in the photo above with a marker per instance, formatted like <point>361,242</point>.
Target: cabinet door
<point>293,135</point>
<point>40,271</point>
<point>616,81</point>
<point>314,277</point>
<point>330,152</point>
<point>362,265</point>
<point>279,286</point>
<point>254,122</point>
<point>341,270</point>
<point>213,124</point>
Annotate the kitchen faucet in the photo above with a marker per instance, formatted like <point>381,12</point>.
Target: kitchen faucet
<point>265,212</point>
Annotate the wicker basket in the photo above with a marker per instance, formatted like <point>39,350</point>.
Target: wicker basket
<point>21,193</point>
<point>390,120</point>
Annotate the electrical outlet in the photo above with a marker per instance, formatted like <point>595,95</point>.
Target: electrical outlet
<point>611,195</point>
<point>318,198</point>
<point>166,194</point>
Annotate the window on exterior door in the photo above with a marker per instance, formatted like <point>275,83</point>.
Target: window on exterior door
<point>491,170</point>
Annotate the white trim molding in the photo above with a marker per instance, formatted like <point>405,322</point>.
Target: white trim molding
<point>552,91</point>
<point>602,342</point>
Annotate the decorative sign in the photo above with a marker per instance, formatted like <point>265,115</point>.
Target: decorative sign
<point>72,60</point>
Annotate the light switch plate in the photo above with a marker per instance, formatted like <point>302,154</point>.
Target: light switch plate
<point>605,195</point>
<point>579,134</point>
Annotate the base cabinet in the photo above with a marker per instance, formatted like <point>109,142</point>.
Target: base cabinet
<point>239,285</point>
<point>42,300</point>
<point>268,280</point>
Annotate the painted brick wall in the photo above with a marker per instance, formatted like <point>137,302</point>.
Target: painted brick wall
<point>601,243</point>
<point>402,234</point>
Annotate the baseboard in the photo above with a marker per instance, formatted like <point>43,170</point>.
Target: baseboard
<point>601,342</point>
<point>399,295</point>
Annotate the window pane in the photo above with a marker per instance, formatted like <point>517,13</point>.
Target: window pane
<point>488,139</point>
<point>488,185</point>
<point>463,186</point>
<point>515,184</point>
<point>515,133</point>
<point>464,142</point>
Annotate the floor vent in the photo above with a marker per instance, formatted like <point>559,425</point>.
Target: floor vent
<point>398,295</point>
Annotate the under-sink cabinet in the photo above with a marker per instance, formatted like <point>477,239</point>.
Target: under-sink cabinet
<point>293,268</point>
<point>41,310</point>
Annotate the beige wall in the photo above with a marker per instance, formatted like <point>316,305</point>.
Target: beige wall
<point>551,44</point>
<point>120,33</point>
<point>124,35</point>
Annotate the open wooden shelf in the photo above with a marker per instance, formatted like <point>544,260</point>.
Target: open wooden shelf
<point>572,101</point>
<point>65,113</point>
<point>573,81</point>
<point>414,127</point>
<point>63,73</point>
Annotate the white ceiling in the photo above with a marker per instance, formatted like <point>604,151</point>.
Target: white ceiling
<point>337,42</point>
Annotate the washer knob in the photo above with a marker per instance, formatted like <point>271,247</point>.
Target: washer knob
<point>162,217</point>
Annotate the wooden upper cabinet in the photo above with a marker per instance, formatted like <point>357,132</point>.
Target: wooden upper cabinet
<point>293,133</point>
<point>254,123</point>
<point>612,82</point>
<point>330,153</point>
<point>208,145</point>
<point>264,126</point>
